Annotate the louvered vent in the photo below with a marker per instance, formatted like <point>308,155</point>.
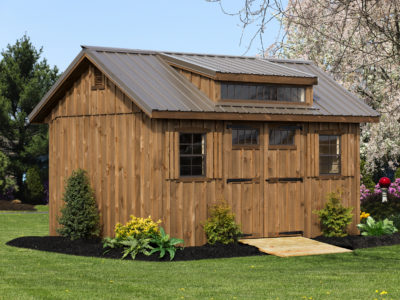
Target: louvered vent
<point>98,79</point>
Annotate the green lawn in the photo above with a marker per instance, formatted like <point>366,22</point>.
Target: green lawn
<point>29,274</point>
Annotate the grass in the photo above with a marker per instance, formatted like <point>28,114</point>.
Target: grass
<point>30,274</point>
<point>42,208</point>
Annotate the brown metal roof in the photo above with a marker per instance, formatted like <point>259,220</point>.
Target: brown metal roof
<point>329,97</point>
<point>147,78</point>
<point>212,64</point>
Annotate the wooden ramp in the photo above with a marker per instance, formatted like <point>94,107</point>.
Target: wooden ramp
<point>292,246</point>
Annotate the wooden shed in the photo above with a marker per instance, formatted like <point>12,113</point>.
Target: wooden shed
<point>169,134</point>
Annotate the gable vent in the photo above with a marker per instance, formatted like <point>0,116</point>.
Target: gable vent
<point>98,82</point>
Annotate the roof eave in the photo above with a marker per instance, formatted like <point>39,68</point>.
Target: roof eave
<point>228,116</point>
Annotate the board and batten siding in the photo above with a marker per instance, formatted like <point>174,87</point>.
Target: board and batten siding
<point>133,166</point>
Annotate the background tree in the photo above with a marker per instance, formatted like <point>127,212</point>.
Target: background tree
<point>357,42</point>
<point>24,79</point>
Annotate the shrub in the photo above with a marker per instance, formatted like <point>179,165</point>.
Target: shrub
<point>366,178</point>
<point>334,217</point>
<point>397,173</point>
<point>364,193</point>
<point>165,244</point>
<point>137,228</point>
<point>7,182</point>
<point>380,210</point>
<point>221,227</point>
<point>80,217</point>
<point>34,186</point>
<point>396,220</point>
<point>377,228</point>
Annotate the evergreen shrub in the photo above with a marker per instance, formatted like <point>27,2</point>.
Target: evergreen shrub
<point>221,227</point>
<point>334,217</point>
<point>34,188</point>
<point>80,217</point>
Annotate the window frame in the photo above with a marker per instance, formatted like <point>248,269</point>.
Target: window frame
<point>203,155</point>
<point>283,146</point>
<point>241,126</point>
<point>274,89</point>
<point>339,156</point>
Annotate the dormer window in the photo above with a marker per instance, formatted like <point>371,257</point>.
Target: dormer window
<point>263,92</point>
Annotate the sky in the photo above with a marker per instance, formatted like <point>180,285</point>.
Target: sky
<point>60,27</point>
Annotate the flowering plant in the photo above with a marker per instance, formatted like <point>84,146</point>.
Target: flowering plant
<point>363,216</point>
<point>364,192</point>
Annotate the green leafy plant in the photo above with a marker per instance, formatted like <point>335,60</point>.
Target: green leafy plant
<point>396,220</point>
<point>165,244</point>
<point>131,246</point>
<point>377,228</point>
<point>80,216</point>
<point>221,227</point>
<point>334,217</point>
<point>135,246</point>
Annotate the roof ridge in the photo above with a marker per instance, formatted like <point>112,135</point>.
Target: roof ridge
<point>155,52</point>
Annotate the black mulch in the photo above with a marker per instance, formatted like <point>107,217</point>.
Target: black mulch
<point>357,241</point>
<point>95,248</point>
<point>8,205</point>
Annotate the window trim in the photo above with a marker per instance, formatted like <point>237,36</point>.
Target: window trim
<point>204,156</point>
<point>283,146</point>
<point>331,175</point>
<point>245,126</point>
<point>266,101</point>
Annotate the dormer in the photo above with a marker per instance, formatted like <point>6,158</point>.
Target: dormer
<point>245,80</point>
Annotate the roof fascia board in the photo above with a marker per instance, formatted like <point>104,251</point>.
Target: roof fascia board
<point>261,117</point>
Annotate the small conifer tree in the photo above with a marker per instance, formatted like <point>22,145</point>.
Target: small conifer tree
<point>80,217</point>
<point>34,186</point>
<point>334,216</point>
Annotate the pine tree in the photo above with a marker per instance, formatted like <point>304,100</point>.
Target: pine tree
<point>80,216</point>
<point>24,79</point>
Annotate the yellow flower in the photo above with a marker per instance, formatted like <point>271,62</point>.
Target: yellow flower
<point>364,215</point>
<point>383,293</point>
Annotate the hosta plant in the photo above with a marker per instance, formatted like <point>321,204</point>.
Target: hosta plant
<point>165,244</point>
<point>131,245</point>
<point>377,228</point>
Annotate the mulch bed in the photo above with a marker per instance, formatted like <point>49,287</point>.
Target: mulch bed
<point>8,205</point>
<point>357,241</point>
<point>95,248</point>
